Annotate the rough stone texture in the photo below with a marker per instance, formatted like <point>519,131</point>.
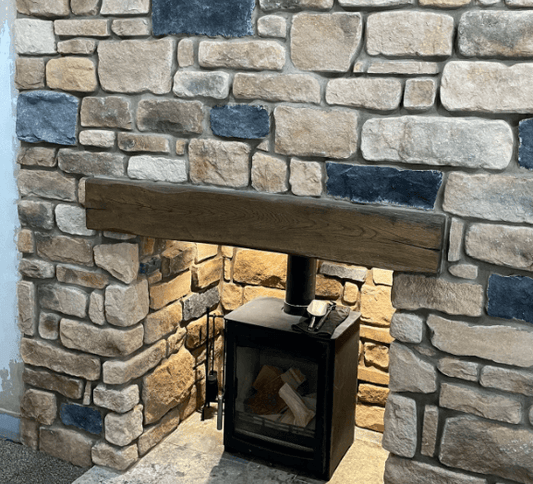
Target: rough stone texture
<point>376,305</point>
<point>77,46</point>
<point>471,143</point>
<point>409,68</point>
<point>134,66</point>
<point>132,7</point>
<point>34,37</point>
<point>525,149</point>
<point>81,277</point>
<point>65,249</point>
<point>67,386</point>
<point>409,372</point>
<point>400,435</point>
<point>38,215</point>
<point>63,299</point>
<point>106,112</point>
<point>124,428</point>
<point>131,27</point>
<point>407,328</point>
<point>512,462</point>
<point>269,174</point>
<point>240,121</point>
<point>292,4</point>
<point>35,156</point>
<point>407,471</point>
<point>510,297</point>
<point>68,445</point>
<point>91,163</point>
<point>120,260</point>
<point>369,417</point>
<point>167,292</point>
<point>170,116</point>
<point>71,74</point>
<point>455,368</point>
<point>39,405</point>
<point>117,458</point>
<point>207,84</point>
<point>25,241</point>
<point>29,73</point>
<point>97,138</point>
<point>467,339</point>
<point>413,34</point>
<point>351,293</point>
<point>47,8</point>
<point>49,325</point>
<point>47,116</point>
<point>39,353</point>
<point>154,434</point>
<point>372,375</point>
<point>186,53</point>
<point>29,433</point>
<point>325,42</point>
<point>27,319</point>
<point>206,274</point>
<point>126,305</point>
<point>456,240</point>
<point>376,355</point>
<point>372,394</point>
<point>415,292</point>
<point>157,169</point>
<point>85,7</point>
<point>306,178</point>
<point>513,381</point>
<point>47,184</point>
<point>450,3</point>
<point>96,308</point>
<point>272,26</point>
<point>118,372</point>
<point>197,304</point>
<point>344,271</point>
<point>419,94</point>
<point>143,142</point>
<point>223,163</point>
<point>82,28</point>
<point>277,87</point>
<point>429,430</point>
<point>165,387</point>
<point>162,322</point>
<point>119,401</point>
<point>373,3</point>
<point>177,258</point>
<point>313,132</point>
<point>369,93</point>
<point>82,417</point>
<point>71,220</point>
<point>231,296</point>
<point>205,251</point>
<point>464,271</point>
<point>251,54</point>
<point>260,268</point>
<point>381,335</point>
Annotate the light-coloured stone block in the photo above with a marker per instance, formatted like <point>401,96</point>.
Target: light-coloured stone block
<point>464,271</point>
<point>36,156</point>
<point>408,328</point>
<point>38,405</point>
<point>77,46</point>
<point>85,7</point>
<point>272,26</point>
<point>46,8</point>
<point>120,260</point>
<point>49,325</point>
<point>419,94</point>
<point>29,74</point>
<point>71,74</point>
<point>98,138</point>
<point>35,37</point>
<point>106,112</point>
<point>47,184</point>
<point>67,386</point>
<point>514,381</point>
<point>65,444</point>
<point>117,458</point>
<point>186,53</point>
<point>455,368</point>
<point>369,417</point>
<point>131,27</point>
<point>26,307</point>
<point>65,249</point>
<point>63,299</point>
<point>81,277</point>
<point>292,4</point>
<point>344,271</point>
<point>162,322</point>
<point>71,219</point>
<point>269,174</point>
<point>400,435</point>
<point>376,306</point>
<point>91,163</point>
<point>167,292</point>
<point>306,178</point>
<point>82,28</point>
<point>260,268</point>
<point>119,7</point>
<point>380,94</point>
<point>96,308</point>
<point>126,305</point>
<point>119,401</point>
<point>157,169</point>
<point>409,372</point>
<point>122,429</point>
<point>170,116</point>
<point>190,84</point>
<point>407,68</point>
<point>456,240</point>
<point>143,142</point>
<point>154,434</point>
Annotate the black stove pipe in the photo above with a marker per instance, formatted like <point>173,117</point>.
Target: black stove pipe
<point>301,281</point>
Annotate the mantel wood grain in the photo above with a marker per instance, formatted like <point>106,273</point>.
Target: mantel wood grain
<point>405,240</point>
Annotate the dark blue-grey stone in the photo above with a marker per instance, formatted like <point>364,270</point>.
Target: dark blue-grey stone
<point>230,18</point>
<point>84,418</point>
<point>511,297</point>
<point>47,116</point>
<point>383,185</point>
<point>240,121</point>
<point>525,150</point>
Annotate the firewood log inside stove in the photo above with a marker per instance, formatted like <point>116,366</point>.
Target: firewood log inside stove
<point>302,415</point>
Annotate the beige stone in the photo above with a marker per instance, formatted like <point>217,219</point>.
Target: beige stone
<point>34,36</point>
<point>120,260</point>
<point>419,94</point>
<point>514,381</point>
<point>380,94</point>
<point>250,54</point>
<point>372,394</point>
<point>40,406</point>
<point>403,67</point>
<point>223,163</point>
<point>382,276</point>
<point>456,368</point>
<point>181,146</point>
<point>25,241</point>
<point>205,251</point>
<point>122,429</point>
<point>162,322</point>
<point>26,307</point>
<point>176,341</point>
<point>232,295</point>
<point>206,274</point>
<point>380,335</point>
<point>67,386</point>
<point>96,308</point>
<point>325,42</point>
<point>167,292</point>
<point>106,112</point>
<point>272,26</point>
<point>46,8</point>
<point>36,268</point>
<point>165,387</point>
<point>117,372</point>
<point>186,53</point>
<point>252,292</point>
<point>97,138</point>
<point>36,156</point>
<point>260,268</point>
<point>464,271</point>
<point>29,73</point>
<point>196,333</point>
<point>154,434</point>
<point>376,307</point>
<point>306,178</point>
<point>369,417</point>
<point>63,299</point>
<point>328,287</point>
<point>344,271</point>
<point>292,4</point>
<point>351,293</point>
<point>141,142</point>
<point>131,27</point>
<point>65,444</point>
<point>77,46</point>
<point>372,375</point>
<point>177,258</point>
<point>126,305</point>
<point>29,433</point>
<point>82,28</point>
<point>119,7</point>
<point>409,372</point>
<point>377,355</point>
<point>47,184</point>
<point>71,74</point>
<point>85,7</point>
<point>445,3</point>
<point>190,84</point>
<point>269,174</point>
<point>116,458</point>
<point>81,277</point>
<point>119,401</point>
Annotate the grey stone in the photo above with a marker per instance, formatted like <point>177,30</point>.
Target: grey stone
<point>85,7</point>
<point>400,435</point>
<point>46,8</point>
<point>49,325</point>
<point>131,27</point>
<point>429,430</point>
<point>77,46</point>
<point>65,385</point>
<point>38,269</point>
<point>100,341</point>
<point>65,249</point>
<point>120,401</point>
<point>468,339</point>
<point>71,220</point>
<point>410,373</point>
<point>487,87</point>
<point>408,471</point>
<point>269,174</point>
<point>224,163</point>
<point>512,462</point>
<point>186,53</point>
<point>408,328</point>
<point>206,84</point>
<point>197,304</point>
<point>35,37</point>
<point>98,138</point>
<point>36,156</point>
<point>96,308</point>
<point>292,4</point>
<point>501,244</point>
<point>63,299</point>
<point>481,403</point>
<point>513,381</point>
<point>91,163</point>
<point>131,7</point>
<point>36,214</point>
<point>496,34</point>
<point>325,42</point>
<point>456,240</point>
<point>344,271</point>
<point>81,277</point>
<point>251,54</point>
<point>47,184</point>
<point>120,260</point>
<point>82,28</point>
<point>170,117</point>
<point>306,178</point>
<point>455,368</point>
<point>29,73</point>
<point>126,305</point>
<point>374,3</point>
<point>117,458</point>
<point>122,429</point>
<point>314,132</point>
<point>157,169</point>
<point>277,87</point>
<point>490,197</point>
<point>118,372</point>
<point>464,271</point>
<point>467,142</point>
<point>134,66</point>
<point>162,322</point>
<point>272,26</point>
<point>106,112</point>
<point>380,94</point>
<point>409,33</point>
<point>39,405</point>
<point>69,445</point>
<point>419,94</point>
<point>40,353</point>
<point>407,67</point>
<point>26,307</point>
<point>414,292</point>
<point>143,142</point>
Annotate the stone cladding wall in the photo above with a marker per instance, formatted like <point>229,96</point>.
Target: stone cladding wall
<point>420,104</point>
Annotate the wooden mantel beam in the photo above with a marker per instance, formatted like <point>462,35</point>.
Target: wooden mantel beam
<point>402,240</point>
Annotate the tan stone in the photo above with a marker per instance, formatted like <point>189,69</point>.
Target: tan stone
<point>77,46</point>
<point>377,355</point>
<point>382,276</point>
<point>376,306</point>
<point>119,7</point>
<point>25,241</point>
<point>154,434</point>
<point>67,386</point>
<point>46,184</point>
<point>162,322</point>
<point>328,287</point>
<point>293,4</point>
<point>29,73</point>
<point>445,3</point>
<point>120,401</point>
<point>26,307</point>
<point>192,401</point>
<point>372,375</point>
<point>372,394</point>
<point>419,94</point>
<point>106,112</point>
<point>170,116</point>
<point>165,387</point>
<point>232,295</point>
<point>97,138</point>
<point>380,94</point>
<point>176,341</point>
<point>196,333</point>
<point>82,28</point>
<point>380,335</point>
<point>69,445</point>
<point>71,74</point>
<point>38,405</point>
<point>178,257</point>
<point>456,368</point>
<point>456,240</point>
<point>181,146</point>
<point>252,292</point>
<point>85,7</point>
<point>269,174</point>
<point>146,246</point>
<point>29,433</point>
<point>351,293</point>
<point>131,27</point>
<point>206,274</point>
<point>260,268</point>
<point>186,53</point>
<point>96,308</point>
<point>45,8</point>
<point>36,156</point>
<point>306,178</point>
<point>81,277</point>
<point>403,67</point>
<point>167,292</point>
<point>205,251</point>
<point>116,458</point>
<point>464,271</point>
<point>120,260</point>
<point>63,299</point>
<point>370,417</point>
<point>143,142</point>
<point>228,267</point>
<point>122,429</point>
